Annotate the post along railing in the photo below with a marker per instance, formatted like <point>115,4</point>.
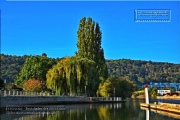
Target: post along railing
<point>25,93</point>
<point>22,93</point>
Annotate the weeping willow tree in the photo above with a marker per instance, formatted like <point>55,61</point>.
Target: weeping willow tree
<point>71,75</point>
<point>56,78</point>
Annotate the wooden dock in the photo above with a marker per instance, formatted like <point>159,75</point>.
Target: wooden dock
<point>167,107</point>
<point>174,115</point>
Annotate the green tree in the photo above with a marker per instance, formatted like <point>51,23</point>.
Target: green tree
<point>153,92</point>
<point>116,86</point>
<point>89,45</point>
<point>34,67</point>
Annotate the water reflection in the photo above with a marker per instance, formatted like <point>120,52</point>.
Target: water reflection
<point>93,111</point>
<point>167,115</point>
<point>118,111</point>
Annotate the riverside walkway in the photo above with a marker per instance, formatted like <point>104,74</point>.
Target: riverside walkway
<point>27,98</point>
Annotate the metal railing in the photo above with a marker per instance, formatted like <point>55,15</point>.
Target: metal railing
<point>4,93</point>
<point>25,93</point>
<point>22,93</point>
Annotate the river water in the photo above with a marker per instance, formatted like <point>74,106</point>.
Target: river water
<point>130,110</point>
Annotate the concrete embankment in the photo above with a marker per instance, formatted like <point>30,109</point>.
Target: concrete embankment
<point>173,108</point>
<point>46,100</point>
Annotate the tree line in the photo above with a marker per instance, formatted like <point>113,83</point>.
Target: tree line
<point>11,65</point>
<point>137,71</point>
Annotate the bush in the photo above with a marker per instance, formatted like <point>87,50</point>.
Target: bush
<point>33,85</point>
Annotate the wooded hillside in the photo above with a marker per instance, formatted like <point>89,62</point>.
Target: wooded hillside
<point>138,71</point>
<point>141,72</point>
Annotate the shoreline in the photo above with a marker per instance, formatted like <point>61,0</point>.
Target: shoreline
<point>169,97</point>
<point>161,97</point>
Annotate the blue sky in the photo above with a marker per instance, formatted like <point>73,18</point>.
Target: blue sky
<point>51,28</point>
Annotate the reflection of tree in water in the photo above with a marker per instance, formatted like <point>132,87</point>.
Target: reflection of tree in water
<point>99,112</point>
<point>125,111</point>
<point>104,113</point>
<point>89,112</point>
<point>69,115</point>
<point>35,116</point>
<point>75,114</point>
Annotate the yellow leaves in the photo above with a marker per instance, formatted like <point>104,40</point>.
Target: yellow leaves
<point>103,88</point>
<point>65,59</point>
<point>139,92</point>
<point>51,77</point>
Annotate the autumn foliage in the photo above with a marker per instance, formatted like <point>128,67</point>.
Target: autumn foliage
<point>33,85</point>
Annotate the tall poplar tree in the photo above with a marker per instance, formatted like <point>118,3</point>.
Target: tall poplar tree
<point>89,45</point>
